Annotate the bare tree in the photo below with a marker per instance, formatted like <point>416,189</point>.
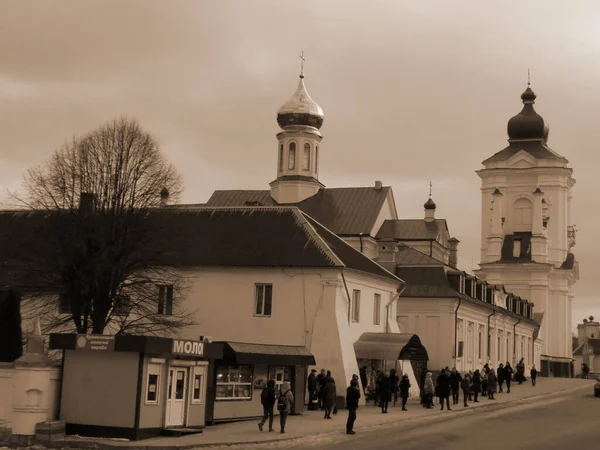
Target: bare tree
<point>100,240</point>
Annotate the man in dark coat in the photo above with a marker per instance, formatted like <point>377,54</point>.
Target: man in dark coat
<point>329,395</point>
<point>465,384</point>
<point>476,385</point>
<point>404,388</point>
<point>394,385</point>
<point>508,374</point>
<point>385,392</point>
<point>312,389</point>
<point>267,398</point>
<point>443,388</point>
<point>352,396</point>
<point>321,380</point>
<point>455,380</point>
<point>533,374</point>
<point>500,376</point>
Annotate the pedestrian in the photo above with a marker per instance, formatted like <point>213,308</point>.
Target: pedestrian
<point>284,404</point>
<point>466,387</point>
<point>394,385</point>
<point>455,380</point>
<point>352,396</point>
<point>500,376</point>
<point>329,395</point>
<point>428,390</point>
<point>521,371</point>
<point>268,397</point>
<point>312,389</point>
<point>533,374</point>
<point>443,388</point>
<point>508,374</point>
<point>471,383</point>
<point>476,385</point>
<point>404,388</point>
<point>422,386</point>
<point>484,374</point>
<point>385,392</point>
<point>321,380</point>
<point>492,382</point>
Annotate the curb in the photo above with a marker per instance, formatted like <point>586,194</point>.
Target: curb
<point>410,421</point>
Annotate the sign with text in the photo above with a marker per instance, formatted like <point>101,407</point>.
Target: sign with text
<point>184,347</point>
<point>95,342</point>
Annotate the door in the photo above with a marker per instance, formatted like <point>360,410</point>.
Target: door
<point>176,395</point>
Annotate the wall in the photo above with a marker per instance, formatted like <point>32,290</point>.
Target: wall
<point>152,415</point>
<point>6,394</point>
<point>99,388</point>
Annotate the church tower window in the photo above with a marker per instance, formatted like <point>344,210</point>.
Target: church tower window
<point>306,157</point>
<point>292,156</point>
<point>281,158</point>
<point>316,159</point>
<point>523,215</point>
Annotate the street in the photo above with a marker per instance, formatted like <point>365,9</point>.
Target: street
<point>551,424</point>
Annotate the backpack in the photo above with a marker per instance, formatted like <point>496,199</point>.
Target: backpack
<point>282,402</point>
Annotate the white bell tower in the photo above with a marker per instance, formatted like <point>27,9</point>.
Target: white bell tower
<point>527,233</point>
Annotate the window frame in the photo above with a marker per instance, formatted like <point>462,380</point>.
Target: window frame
<point>281,157</point>
<point>266,287</point>
<point>306,154</point>
<point>166,294</point>
<point>355,306</point>
<point>292,156</point>
<point>199,371</point>
<point>376,309</point>
<point>153,370</point>
<point>461,349</point>
<point>235,384</point>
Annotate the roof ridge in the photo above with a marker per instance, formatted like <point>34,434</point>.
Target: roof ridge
<point>315,237</point>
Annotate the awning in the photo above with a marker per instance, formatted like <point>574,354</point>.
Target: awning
<point>284,355</point>
<point>390,347</point>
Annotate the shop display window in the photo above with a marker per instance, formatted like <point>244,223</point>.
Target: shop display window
<point>234,383</point>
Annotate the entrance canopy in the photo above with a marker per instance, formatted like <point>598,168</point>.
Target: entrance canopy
<point>284,355</point>
<point>390,347</point>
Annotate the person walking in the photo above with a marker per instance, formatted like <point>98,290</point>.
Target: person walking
<point>385,392</point>
<point>476,385</point>
<point>394,385</point>
<point>284,404</point>
<point>465,384</point>
<point>508,374</point>
<point>404,388</point>
<point>329,395</point>
<point>484,374</point>
<point>521,371</point>
<point>428,391</point>
<point>352,396</point>
<point>492,381</point>
<point>533,374</point>
<point>443,386</point>
<point>455,380</point>
<point>268,397</point>
<point>500,376</point>
<point>312,389</point>
<point>321,380</point>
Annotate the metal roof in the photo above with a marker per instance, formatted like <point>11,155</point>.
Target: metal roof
<point>412,229</point>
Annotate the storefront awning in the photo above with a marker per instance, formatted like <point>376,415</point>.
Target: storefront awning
<point>284,355</point>
<point>390,347</point>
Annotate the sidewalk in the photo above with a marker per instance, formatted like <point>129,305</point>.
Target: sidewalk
<point>311,423</point>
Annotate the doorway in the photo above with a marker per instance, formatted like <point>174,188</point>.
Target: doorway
<point>176,395</point>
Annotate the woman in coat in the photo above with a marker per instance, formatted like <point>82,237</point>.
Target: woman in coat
<point>465,385</point>
<point>500,376</point>
<point>476,385</point>
<point>492,381</point>
<point>329,397</point>
<point>385,392</point>
<point>428,390</point>
<point>404,389</point>
<point>394,385</point>
<point>443,385</point>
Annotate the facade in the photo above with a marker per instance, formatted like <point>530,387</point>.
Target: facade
<point>586,346</point>
<point>527,231</point>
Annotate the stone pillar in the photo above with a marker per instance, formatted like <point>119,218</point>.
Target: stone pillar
<point>496,235</point>
<point>31,388</point>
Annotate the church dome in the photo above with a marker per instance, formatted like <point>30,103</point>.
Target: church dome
<point>300,109</point>
<point>430,204</point>
<point>528,124</point>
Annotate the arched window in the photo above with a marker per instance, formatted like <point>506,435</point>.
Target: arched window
<point>281,157</point>
<point>316,158</point>
<point>522,213</point>
<point>292,156</point>
<point>306,157</point>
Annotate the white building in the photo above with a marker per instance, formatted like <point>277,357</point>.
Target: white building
<point>586,346</point>
<point>527,232</point>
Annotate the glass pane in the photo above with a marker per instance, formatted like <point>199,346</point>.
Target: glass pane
<point>306,159</point>
<point>223,374</point>
<point>268,299</point>
<point>259,299</point>
<point>197,386</point>
<point>152,388</point>
<point>179,385</point>
<point>292,156</point>
<point>245,375</point>
<point>243,391</point>
<point>224,391</point>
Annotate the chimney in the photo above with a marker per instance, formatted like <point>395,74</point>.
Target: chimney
<point>387,255</point>
<point>453,259</point>
<point>378,185</point>
<point>164,197</point>
<point>86,202</point>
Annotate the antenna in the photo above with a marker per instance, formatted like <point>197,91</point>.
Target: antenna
<point>528,77</point>
<point>302,64</point>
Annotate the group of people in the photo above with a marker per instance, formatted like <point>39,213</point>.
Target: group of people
<point>322,392</point>
<point>485,382</point>
<point>386,388</point>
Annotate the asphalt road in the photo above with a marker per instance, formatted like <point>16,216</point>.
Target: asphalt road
<point>562,422</point>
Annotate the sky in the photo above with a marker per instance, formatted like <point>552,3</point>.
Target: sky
<point>412,92</point>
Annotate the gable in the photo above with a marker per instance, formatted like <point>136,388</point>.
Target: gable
<point>522,160</point>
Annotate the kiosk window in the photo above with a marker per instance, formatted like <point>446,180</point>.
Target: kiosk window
<point>153,385</point>
<point>197,388</point>
<point>234,383</point>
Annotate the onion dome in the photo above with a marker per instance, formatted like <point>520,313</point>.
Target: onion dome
<point>300,109</point>
<point>429,204</point>
<point>528,124</point>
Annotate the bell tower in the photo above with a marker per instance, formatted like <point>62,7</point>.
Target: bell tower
<point>526,230</point>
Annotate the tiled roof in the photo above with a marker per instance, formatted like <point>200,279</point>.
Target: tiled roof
<point>537,149</point>
<point>411,229</point>
<point>344,211</point>
<point>426,282</point>
<point>408,256</point>
<point>246,236</point>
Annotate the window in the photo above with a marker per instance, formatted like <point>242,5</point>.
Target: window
<point>355,313</point>
<point>306,157</point>
<point>316,158</point>
<point>165,300</point>
<point>122,305</point>
<point>377,310</point>
<point>292,156</point>
<point>264,300</point>
<point>64,304</point>
<point>197,387</point>
<point>480,349</point>
<point>281,157</point>
<point>517,248</point>
<point>234,383</point>
<point>153,385</point>
<point>461,346</point>
<point>280,374</point>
